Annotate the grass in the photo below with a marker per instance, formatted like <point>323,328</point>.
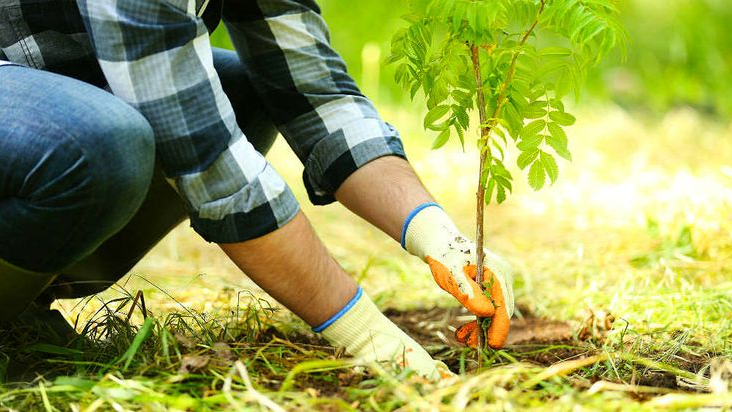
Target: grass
<point>639,225</point>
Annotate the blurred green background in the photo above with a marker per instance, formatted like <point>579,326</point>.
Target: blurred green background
<point>680,54</point>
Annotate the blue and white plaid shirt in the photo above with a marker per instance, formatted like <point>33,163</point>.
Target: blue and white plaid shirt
<point>156,55</point>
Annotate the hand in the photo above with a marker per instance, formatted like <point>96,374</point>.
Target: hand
<point>369,336</point>
<point>467,334</point>
<point>454,271</point>
<point>430,234</point>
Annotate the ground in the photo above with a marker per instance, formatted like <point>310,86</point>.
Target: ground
<point>623,281</point>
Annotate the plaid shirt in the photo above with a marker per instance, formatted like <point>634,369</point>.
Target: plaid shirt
<point>155,55</point>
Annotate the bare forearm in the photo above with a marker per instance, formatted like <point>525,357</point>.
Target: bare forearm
<point>384,192</point>
<point>294,267</point>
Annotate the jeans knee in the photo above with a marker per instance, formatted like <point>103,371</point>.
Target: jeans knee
<point>75,165</point>
<point>123,160</point>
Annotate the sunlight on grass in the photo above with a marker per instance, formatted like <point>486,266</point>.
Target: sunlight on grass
<point>571,245</point>
<point>639,225</point>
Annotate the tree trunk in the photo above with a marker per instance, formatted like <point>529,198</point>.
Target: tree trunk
<point>480,194</point>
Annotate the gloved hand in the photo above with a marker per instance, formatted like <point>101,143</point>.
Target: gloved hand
<point>369,336</point>
<point>467,334</point>
<point>430,234</point>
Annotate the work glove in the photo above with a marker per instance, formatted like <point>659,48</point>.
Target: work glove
<point>369,336</point>
<point>430,234</point>
<point>467,334</point>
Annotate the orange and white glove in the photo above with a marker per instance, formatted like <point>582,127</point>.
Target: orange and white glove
<point>369,336</point>
<point>430,234</point>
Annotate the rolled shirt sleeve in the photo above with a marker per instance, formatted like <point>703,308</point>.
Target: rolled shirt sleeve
<point>305,88</point>
<point>157,57</point>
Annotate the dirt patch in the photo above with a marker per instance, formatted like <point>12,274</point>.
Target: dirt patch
<point>434,327</point>
<point>535,340</point>
<point>531,330</point>
<point>531,339</point>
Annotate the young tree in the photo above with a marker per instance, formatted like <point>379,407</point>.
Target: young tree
<point>514,61</point>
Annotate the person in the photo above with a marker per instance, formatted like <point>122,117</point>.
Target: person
<point>91,180</point>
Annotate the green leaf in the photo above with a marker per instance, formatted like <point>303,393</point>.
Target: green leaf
<point>555,51</point>
<point>552,66</point>
<point>489,189</point>
<point>439,92</point>
<point>562,118</point>
<point>414,89</point>
<point>461,135</point>
<point>53,349</point>
<point>557,104</point>
<point>500,133</point>
<point>513,118</point>
<point>498,147</point>
<point>435,114</point>
<point>550,166</point>
<point>522,86</point>
<point>559,148</point>
<point>505,182</point>
<point>558,140</point>
<point>530,143</point>
<point>533,112</point>
<point>564,84</point>
<point>137,342</point>
<point>472,16</point>
<point>518,100</point>
<point>532,129</point>
<point>501,194</point>
<point>557,131</point>
<point>75,382</point>
<point>458,15</point>
<point>525,158</point>
<point>441,139</point>
<point>537,176</point>
<point>526,64</point>
<point>462,116</point>
<point>538,90</point>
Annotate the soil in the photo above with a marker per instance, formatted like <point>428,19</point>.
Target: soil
<point>531,339</point>
<point>436,327</point>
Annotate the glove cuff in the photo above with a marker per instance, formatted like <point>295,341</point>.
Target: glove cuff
<point>349,327</point>
<point>426,230</point>
<point>351,303</point>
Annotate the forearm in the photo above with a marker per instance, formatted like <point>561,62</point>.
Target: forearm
<point>384,192</point>
<point>293,266</point>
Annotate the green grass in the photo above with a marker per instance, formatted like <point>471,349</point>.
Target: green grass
<point>640,226</point>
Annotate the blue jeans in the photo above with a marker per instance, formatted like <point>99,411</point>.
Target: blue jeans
<point>75,163</point>
<point>79,190</point>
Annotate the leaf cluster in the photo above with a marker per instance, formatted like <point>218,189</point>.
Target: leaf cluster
<point>532,55</point>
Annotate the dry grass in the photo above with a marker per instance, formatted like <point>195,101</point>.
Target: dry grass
<point>640,225</point>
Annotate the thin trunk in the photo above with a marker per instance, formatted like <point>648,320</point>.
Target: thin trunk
<point>480,195</point>
<point>485,153</point>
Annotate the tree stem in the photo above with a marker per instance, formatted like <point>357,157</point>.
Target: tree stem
<point>486,126</point>
<point>480,195</point>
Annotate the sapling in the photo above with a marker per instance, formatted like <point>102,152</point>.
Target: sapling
<point>515,61</point>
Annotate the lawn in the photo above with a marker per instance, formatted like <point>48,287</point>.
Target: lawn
<point>623,284</point>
